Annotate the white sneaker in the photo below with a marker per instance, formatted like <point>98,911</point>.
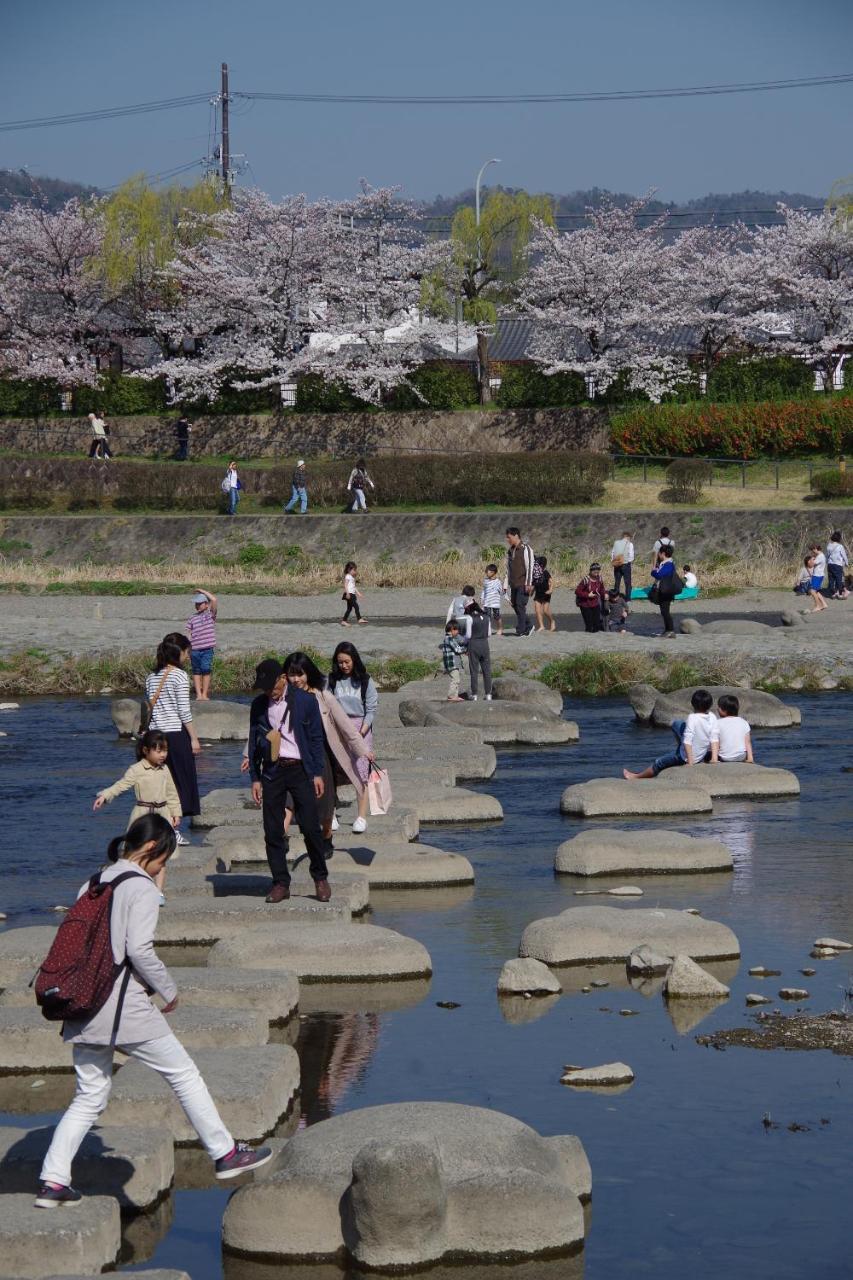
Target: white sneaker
<point>335,823</point>
<point>488,697</point>
<point>181,838</point>
<point>358,826</point>
<point>473,698</point>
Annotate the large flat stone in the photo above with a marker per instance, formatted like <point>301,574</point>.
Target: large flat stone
<point>747,781</point>
<point>252,1087</point>
<point>327,952</point>
<point>384,864</point>
<point>605,851</point>
<point>601,935</point>
<point>616,798</point>
<point>204,919</point>
<point>272,993</point>
<point>464,748</point>
<point>135,1166</point>
<point>532,976</point>
<point>215,720</point>
<point>499,722</point>
<point>762,710</point>
<point>399,824</point>
<point>85,1239</point>
<point>22,952</point>
<point>432,1180</point>
<point>350,889</point>
<point>435,805</point>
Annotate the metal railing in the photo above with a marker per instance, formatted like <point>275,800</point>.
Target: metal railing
<point>767,472</point>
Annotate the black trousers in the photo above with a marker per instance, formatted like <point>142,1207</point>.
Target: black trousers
<point>622,573</point>
<point>592,619</point>
<point>665,605</point>
<point>281,779</point>
<point>99,448</point>
<point>352,607</point>
<point>518,599</point>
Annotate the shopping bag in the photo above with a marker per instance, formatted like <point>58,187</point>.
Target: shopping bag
<point>378,790</point>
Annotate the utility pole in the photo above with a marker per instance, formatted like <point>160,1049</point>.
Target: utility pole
<point>225,149</point>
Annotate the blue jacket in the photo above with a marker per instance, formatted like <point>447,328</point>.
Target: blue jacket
<point>304,711</point>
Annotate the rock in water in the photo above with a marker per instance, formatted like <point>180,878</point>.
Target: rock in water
<point>752,998</point>
<point>646,960</point>
<point>759,971</point>
<point>793,993</point>
<point>608,1075</point>
<point>834,943</point>
<point>688,981</point>
<point>527,976</point>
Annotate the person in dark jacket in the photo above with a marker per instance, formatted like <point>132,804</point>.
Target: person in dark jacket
<point>287,760</point>
<point>668,586</point>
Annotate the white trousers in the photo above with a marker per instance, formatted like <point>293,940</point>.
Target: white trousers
<point>359,500</point>
<point>94,1067</point>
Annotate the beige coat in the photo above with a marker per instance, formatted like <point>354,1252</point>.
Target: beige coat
<point>345,742</point>
<point>151,785</point>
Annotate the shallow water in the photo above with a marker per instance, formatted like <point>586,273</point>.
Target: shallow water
<point>686,1178</point>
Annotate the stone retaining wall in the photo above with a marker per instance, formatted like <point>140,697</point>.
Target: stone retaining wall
<point>340,434</point>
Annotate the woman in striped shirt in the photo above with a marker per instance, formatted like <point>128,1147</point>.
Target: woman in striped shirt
<point>167,688</point>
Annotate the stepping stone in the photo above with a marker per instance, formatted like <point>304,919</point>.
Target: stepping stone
<point>204,919</point>
<point>686,980</point>
<point>215,720</point>
<point>499,722</point>
<point>420,1182</point>
<point>327,952</point>
<point>447,804</point>
<point>515,688</point>
<point>472,759</point>
<point>834,944</point>
<point>518,976</point>
<point>86,1238</point>
<point>350,888</point>
<point>762,710</point>
<point>605,851</point>
<point>253,1088</point>
<point>754,998</point>
<point>608,1076</point>
<point>616,798</point>
<point>386,864</point>
<point>601,935</point>
<point>400,825</point>
<point>748,781</point>
<point>135,1166</point>
<point>22,951</point>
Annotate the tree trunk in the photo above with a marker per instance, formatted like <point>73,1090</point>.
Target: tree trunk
<point>483,367</point>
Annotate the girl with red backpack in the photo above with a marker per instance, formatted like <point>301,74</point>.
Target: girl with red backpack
<point>97,976</point>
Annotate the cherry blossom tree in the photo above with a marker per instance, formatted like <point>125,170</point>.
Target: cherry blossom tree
<point>51,304</point>
<point>598,294</point>
<point>280,289</point>
<point>807,264</point>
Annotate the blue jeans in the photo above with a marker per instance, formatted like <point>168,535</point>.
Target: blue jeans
<point>676,757</point>
<point>298,494</point>
<point>233,499</point>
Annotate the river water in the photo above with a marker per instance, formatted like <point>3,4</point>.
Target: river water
<point>687,1179</point>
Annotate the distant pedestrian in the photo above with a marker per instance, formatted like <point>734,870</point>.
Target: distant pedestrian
<point>183,427</point>
<point>100,446</point>
<point>819,566</point>
<point>837,561</point>
<point>451,657</point>
<point>479,656</point>
<point>351,594</point>
<point>589,598</point>
<point>803,581</point>
<point>666,587</point>
<point>543,585</point>
<point>815,583</point>
<point>622,560</point>
<point>298,489</point>
<point>357,486</point>
<point>231,487</point>
<point>518,580</point>
<point>663,540</point>
<point>491,597</point>
<point>201,629</point>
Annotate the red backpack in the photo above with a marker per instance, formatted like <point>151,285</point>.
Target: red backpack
<point>79,971</point>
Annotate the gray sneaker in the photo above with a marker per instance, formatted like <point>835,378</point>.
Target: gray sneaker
<point>53,1197</point>
<point>243,1159</point>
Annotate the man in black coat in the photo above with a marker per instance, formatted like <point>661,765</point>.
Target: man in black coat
<point>286,758</point>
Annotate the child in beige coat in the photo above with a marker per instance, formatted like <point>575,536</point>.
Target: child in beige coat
<point>151,781</point>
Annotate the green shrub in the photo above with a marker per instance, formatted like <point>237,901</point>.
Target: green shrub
<point>28,399</point>
<point>821,424</point>
<point>441,386</point>
<point>118,394</point>
<point>525,387</point>
<point>315,395</point>
<point>685,478</point>
<point>771,378</point>
<point>833,484</point>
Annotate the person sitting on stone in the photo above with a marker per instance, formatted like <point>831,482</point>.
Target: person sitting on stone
<point>694,736</point>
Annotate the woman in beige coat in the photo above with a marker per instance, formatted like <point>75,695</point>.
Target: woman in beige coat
<point>344,743</point>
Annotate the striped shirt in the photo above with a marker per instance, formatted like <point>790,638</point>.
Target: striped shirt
<point>172,709</point>
<point>490,596</point>
<point>201,629</point>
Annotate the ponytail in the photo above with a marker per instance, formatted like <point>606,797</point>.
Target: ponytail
<point>150,827</point>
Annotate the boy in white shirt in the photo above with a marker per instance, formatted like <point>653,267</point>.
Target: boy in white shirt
<point>731,739</point>
<point>694,737</point>
<point>490,598</point>
<point>456,613</point>
<point>689,578</point>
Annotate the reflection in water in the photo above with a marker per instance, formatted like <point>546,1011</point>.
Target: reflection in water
<point>334,1053</point>
<point>571,1268</point>
<point>142,1233</point>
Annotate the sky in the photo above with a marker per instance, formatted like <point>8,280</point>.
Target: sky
<point>59,57</point>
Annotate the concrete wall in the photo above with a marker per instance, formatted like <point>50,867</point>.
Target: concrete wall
<point>114,539</point>
<point>341,434</point>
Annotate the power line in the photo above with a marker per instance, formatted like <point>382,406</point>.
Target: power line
<point>104,113</point>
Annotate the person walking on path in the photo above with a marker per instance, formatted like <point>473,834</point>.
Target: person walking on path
<point>231,487</point>
<point>183,427</point>
<point>837,561</point>
<point>351,594</point>
<point>662,541</point>
<point>298,489</point>
<point>666,588</point>
<point>287,761</point>
<point>357,486</point>
<point>201,628</point>
<point>357,694</point>
<point>451,659</point>
<point>589,598</point>
<point>344,745</point>
<point>167,689</point>
<point>622,560</point>
<point>479,655</point>
<point>131,1022</point>
<point>100,446</point>
<point>518,580</point>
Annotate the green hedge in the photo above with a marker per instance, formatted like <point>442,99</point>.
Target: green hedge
<point>442,387</point>
<point>525,387</point>
<point>774,378</point>
<point>820,424</point>
<point>833,484</point>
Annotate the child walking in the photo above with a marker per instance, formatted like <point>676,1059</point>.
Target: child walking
<point>351,594</point>
<point>451,656</point>
<point>152,783</point>
<point>543,585</point>
<point>201,629</point>
<point>479,656</point>
<point>129,1021</point>
<point>491,596</point>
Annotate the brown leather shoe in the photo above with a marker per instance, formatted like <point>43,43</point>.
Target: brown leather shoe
<point>278,893</point>
<point>324,893</point>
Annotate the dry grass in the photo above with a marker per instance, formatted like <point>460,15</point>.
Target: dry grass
<point>636,496</point>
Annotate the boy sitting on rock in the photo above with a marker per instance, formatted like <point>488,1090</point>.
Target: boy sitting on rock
<point>694,735</point>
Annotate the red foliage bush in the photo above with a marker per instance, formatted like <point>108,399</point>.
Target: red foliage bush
<point>822,425</point>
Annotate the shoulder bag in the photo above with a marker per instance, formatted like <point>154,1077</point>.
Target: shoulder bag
<point>146,711</point>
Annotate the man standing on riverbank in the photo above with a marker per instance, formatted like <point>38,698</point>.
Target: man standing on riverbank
<point>298,490</point>
<point>519,578</point>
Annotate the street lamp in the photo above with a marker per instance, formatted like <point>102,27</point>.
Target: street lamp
<point>494,160</point>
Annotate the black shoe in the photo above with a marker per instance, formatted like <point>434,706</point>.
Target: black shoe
<point>53,1197</point>
<point>243,1159</point>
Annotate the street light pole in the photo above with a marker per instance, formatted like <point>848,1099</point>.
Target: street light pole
<point>494,160</point>
<point>482,341</point>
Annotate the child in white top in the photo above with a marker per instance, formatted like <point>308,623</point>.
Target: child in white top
<point>351,594</point>
<point>694,736</point>
<point>456,612</point>
<point>731,738</point>
<point>688,577</point>
<point>491,596</point>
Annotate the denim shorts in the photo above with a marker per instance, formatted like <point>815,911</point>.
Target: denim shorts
<point>202,661</point>
<point>494,612</point>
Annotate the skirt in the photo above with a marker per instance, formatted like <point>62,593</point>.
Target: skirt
<point>181,763</point>
<point>361,764</point>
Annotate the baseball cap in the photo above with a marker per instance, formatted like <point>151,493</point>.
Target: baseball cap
<point>199,598</point>
<point>266,674</point>
<point>301,462</point>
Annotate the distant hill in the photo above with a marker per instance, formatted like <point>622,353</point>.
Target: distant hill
<point>18,185</point>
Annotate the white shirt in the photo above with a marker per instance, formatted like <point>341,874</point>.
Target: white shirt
<point>819,567</point>
<point>836,553</point>
<point>731,732</point>
<point>98,429</point>
<point>490,596</point>
<point>690,580</point>
<point>623,547</point>
<point>662,542</point>
<point>349,584</point>
<point>233,479</point>
<point>699,731</point>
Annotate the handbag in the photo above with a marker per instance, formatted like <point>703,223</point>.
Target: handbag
<point>617,561</point>
<point>654,593</point>
<point>146,710</point>
<point>379,795</point>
